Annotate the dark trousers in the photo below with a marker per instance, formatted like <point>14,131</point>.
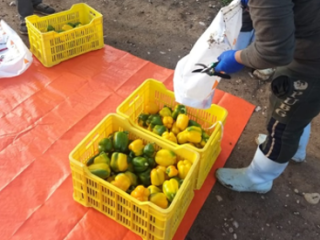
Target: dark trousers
<point>25,7</point>
<point>294,102</point>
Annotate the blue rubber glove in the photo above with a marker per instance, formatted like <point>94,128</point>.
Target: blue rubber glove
<point>244,3</point>
<point>227,63</point>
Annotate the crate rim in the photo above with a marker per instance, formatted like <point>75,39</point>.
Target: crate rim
<point>151,80</point>
<point>36,17</point>
<point>147,203</point>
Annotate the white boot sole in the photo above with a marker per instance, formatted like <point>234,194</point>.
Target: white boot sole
<point>231,184</point>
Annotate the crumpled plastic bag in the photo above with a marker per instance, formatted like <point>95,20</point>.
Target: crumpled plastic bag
<point>197,89</point>
<point>15,57</point>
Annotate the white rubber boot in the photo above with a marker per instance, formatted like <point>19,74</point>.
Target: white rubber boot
<point>257,177</point>
<point>300,155</point>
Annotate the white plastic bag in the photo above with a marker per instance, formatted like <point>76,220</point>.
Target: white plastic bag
<point>197,89</point>
<point>15,57</point>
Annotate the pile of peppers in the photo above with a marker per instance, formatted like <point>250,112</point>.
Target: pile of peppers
<point>141,169</point>
<point>173,125</point>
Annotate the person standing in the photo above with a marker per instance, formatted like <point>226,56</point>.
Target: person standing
<point>287,36</point>
<point>29,7</point>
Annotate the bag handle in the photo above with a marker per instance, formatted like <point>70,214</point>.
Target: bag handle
<point>213,125</point>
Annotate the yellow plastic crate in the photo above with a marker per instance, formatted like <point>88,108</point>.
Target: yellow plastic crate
<point>144,218</point>
<point>154,91</point>
<point>52,48</point>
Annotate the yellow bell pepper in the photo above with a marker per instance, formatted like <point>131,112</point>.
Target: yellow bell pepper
<point>182,137</point>
<point>101,170</point>
<point>175,129</point>
<point>169,136</point>
<point>159,199</point>
<point>190,134</point>
<point>163,168</point>
<point>165,111</point>
<point>151,108</point>
<point>119,162</point>
<point>172,171</point>
<point>183,168</point>
<point>165,157</point>
<point>122,181</point>
<point>167,121</point>
<point>137,147</point>
<point>182,121</point>
<point>141,193</point>
<point>157,177</point>
<point>133,178</point>
<point>194,134</point>
<point>153,189</point>
<point>66,27</point>
<point>170,188</point>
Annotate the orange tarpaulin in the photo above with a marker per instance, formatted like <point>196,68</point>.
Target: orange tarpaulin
<point>46,112</point>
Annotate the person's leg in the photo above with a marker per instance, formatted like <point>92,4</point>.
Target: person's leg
<point>300,155</point>
<point>257,177</point>
<point>28,7</point>
<point>293,104</point>
<point>42,8</point>
<point>36,2</point>
<point>25,9</point>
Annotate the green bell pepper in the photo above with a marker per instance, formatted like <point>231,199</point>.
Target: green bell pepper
<point>129,160</point>
<point>90,160</point>
<point>152,163</point>
<point>159,129</point>
<point>144,177</point>
<point>193,123</point>
<point>131,156</point>
<point>121,141</point>
<point>153,120</point>
<point>105,145</point>
<point>149,150</point>
<point>142,120</point>
<point>50,28</point>
<point>205,136</point>
<point>179,109</point>
<point>140,164</point>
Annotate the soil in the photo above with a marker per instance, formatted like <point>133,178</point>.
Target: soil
<point>163,31</point>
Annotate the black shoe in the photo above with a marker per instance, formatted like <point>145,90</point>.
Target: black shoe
<point>23,27</point>
<point>43,9</point>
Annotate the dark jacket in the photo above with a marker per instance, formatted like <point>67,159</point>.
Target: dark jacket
<point>287,33</point>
